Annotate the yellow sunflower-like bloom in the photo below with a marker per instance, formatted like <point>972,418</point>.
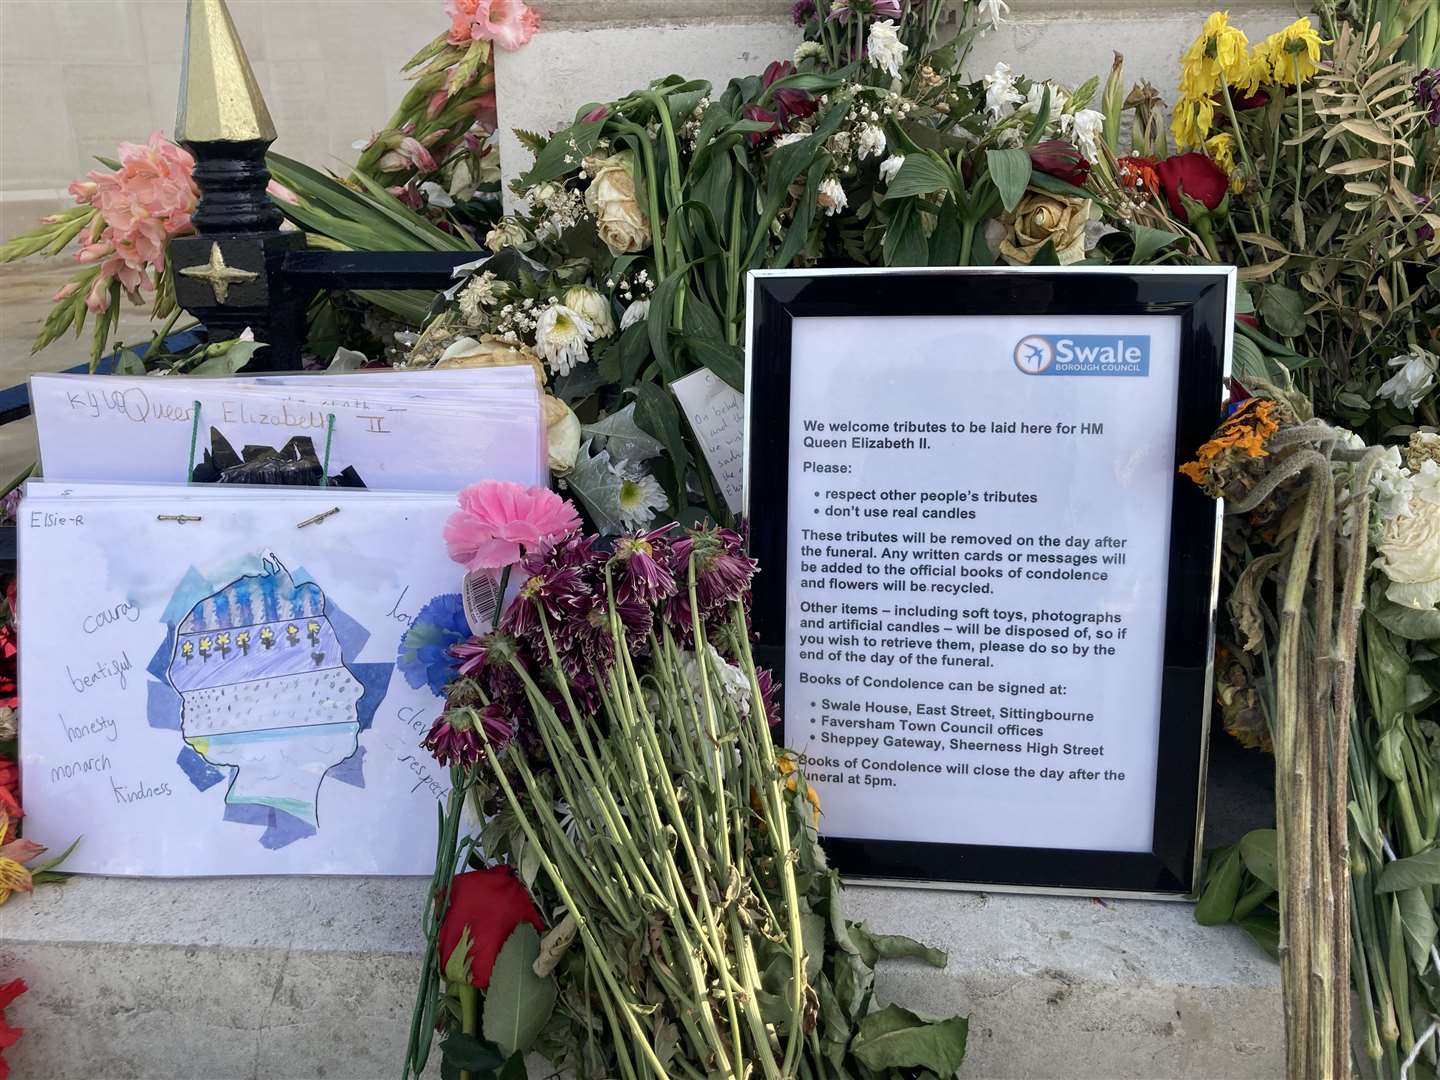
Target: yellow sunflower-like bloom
<point>1194,116</point>
<point>1252,75</point>
<point>1221,148</point>
<point>1293,54</point>
<point>1220,53</point>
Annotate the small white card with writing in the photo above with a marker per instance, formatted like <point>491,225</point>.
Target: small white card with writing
<point>716,411</point>
<point>213,688</point>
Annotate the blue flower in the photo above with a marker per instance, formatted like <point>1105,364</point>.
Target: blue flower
<point>424,656</point>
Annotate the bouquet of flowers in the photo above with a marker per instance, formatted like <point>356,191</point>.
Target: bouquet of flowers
<point>614,735</point>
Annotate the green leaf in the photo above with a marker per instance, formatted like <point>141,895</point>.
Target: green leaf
<point>905,243</point>
<point>467,1052</point>
<point>1418,921</point>
<point>920,175</point>
<point>812,932</point>
<point>623,438</point>
<point>595,484</point>
<point>726,361</point>
<point>1263,926</point>
<point>1222,888</point>
<point>656,413</point>
<point>1257,851</point>
<point>1414,624</point>
<point>875,947</point>
<point>228,362</point>
<point>896,1038</point>
<point>518,1002</point>
<point>574,142</point>
<point>1283,310</point>
<point>130,363</point>
<point>513,1069</point>
<point>1411,872</point>
<point>1010,173</point>
<point>1148,242</point>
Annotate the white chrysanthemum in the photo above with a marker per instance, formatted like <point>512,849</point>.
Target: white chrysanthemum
<point>890,167</point>
<point>641,496</point>
<point>477,295</point>
<point>1084,129</point>
<point>1001,96</point>
<point>887,51</point>
<point>831,196</point>
<point>870,142</point>
<point>561,337</point>
<point>1414,379</point>
<point>1390,487</point>
<point>593,306</point>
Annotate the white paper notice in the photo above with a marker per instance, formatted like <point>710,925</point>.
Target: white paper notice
<point>716,411</point>
<point>234,694</point>
<point>978,552</point>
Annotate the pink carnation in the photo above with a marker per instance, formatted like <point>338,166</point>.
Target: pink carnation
<point>497,518</point>
<point>142,204</point>
<point>508,23</point>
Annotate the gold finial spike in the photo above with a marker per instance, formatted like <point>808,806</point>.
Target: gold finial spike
<point>220,101</point>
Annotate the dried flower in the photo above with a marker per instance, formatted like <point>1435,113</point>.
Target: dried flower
<point>1218,55</point>
<point>887,51</point>
<point>1042,218</point>
<point>509,233</point>
<point>1060,159</point>
<point>562,434</point>
<point>637,312</point>
<point>619,219</point>
<point>831,196</point>
<point>490,351</point>
<point>1192,120</point>
<point>1240,439</point>
<point>644,570</point>
<point>1001,94</point>
<point>1409,550</point>
<point>1293,53</point>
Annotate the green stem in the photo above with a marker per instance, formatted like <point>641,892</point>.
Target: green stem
<point>469,1015</point>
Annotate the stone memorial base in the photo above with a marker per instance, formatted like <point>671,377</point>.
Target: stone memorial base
<point>280,978</point>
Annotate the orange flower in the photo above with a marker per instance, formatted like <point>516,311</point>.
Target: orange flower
<point>1245,433</point>
<point>787,764</point>
<point>1138,175</point>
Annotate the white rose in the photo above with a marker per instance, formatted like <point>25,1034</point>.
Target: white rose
<point>619,220</point>
<point>562,434</point>
<point>1410,556</point>
<point>594,305</point>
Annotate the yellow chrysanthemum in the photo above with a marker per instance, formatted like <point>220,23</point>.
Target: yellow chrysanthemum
<point>1194,116</point>
<point>1293,54</point>
<point>1220,53</point>
<point>1221,149</point>
<point>1254,73</point>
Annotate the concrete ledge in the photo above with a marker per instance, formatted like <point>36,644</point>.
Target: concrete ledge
<point>286,978</point>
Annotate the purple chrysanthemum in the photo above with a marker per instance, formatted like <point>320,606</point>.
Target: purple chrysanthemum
<point>1427,94</point>
<point>875,9</point>
<point>644,574</point>
<point>769,695</point>
<point>453,739</point>
<point>802,11</point>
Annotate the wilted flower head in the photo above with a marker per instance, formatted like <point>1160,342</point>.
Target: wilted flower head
<point>593,306</point>
<point>1293,52</point>
<point>562,335</point>
<point>1412,382</point>
<point>1218,55</point>
<point>887,51</point>
<point>875,9</point>
<point>1001,93</point>
<point>1225,466</point>
<point>802,11</point>
<point>453,738</point>
<point>1427,94</point>
<point>790,103</point>
<point>643,566</point>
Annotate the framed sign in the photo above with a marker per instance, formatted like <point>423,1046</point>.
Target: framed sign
<point>987,591</point>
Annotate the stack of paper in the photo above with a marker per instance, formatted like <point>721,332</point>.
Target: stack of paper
<point>221,678</point>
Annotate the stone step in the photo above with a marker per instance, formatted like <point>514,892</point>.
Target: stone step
<point>281,978</point>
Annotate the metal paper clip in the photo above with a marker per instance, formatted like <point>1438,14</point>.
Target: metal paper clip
<point>179,519</point>
<point>318,517</point>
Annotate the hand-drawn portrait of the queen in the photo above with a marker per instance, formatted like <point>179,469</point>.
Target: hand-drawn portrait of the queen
<point>266,690</point>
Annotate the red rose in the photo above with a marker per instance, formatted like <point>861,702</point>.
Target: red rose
<point>1196,177</point>
<point>491,903</point>
<point>1060,159</point>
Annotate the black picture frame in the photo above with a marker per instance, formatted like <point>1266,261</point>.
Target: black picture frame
<point>1204,299</point>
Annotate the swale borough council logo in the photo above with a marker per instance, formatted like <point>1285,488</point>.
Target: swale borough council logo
<point>1034,355</point>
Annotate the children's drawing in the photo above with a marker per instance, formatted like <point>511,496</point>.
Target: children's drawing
<point>269,690</point>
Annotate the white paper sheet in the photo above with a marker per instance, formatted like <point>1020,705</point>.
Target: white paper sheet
<point>423,431</point>
<point>716,411</point>
<point>228,696</point>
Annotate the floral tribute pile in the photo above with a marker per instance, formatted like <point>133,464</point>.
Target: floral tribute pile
<point>662,907</point>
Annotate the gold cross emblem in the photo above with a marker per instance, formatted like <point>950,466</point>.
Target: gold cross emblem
<point>219,276</point>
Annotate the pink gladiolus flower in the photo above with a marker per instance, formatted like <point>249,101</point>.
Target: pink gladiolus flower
<point>280,192</point>
<point>508,23</point>
<point>497,519</point>
<point>142,204</point>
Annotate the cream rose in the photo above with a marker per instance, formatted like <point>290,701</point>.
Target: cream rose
<point>619,220</point>
<point>1040,217</point>
<point>1409,550</point>
<point>562,434</point>
<point>490,351</point>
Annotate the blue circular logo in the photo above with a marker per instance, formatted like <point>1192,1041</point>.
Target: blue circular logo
<point>1034,355</point>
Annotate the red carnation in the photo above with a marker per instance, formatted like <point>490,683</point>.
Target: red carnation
<point>1197,178</point>
<point>490,903</point>
<point>1060,159</point>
